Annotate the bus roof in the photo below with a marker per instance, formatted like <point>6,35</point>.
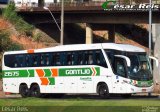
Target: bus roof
<point>74,47</point>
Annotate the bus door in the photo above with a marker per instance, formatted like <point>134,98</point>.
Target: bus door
<point>120,69</point>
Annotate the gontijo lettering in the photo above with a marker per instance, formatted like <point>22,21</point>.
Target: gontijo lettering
<point>78,71</point>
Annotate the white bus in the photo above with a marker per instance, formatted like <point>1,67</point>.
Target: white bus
<point>102,69</point>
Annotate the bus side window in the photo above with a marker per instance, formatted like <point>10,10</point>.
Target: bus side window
<point>119,67</point>
<point>86,58</point>
<point>70,60</point>
<point>57,59</point>
<point>102,60</point>
<point>42,60</point>
<point>10,60</point>
<point>90,58</point>
<point>80,58</point>
<point>75,58</point>
<point>47,57</point>
<point>20,59</point>
<point>63,61</point>
<point>50,59</point>
<point>30,62</point>
<point>36,60</point>
<point>27,60</point>
<point>99,59</point>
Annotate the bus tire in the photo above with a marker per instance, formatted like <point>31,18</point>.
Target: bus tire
<point>35,91</point>
<point>103,91</point>
<point>24,90</point>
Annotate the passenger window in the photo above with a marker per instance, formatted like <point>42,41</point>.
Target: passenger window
<point>119,67</point>
<point>69,58</point>
<point>10,61</point>
<point>57,59</point>
<point>20,61</point>
<point>80,58</point>
<point>99,59</point>
<point>75,58</point>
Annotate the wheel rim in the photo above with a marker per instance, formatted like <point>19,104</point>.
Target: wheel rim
<point>103,91</point>
<point>35,92</point>
<point>24,91</point>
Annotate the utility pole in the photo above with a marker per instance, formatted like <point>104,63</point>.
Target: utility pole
<point>150,31</point>
<point>62,22</point>
<point>150,26</point>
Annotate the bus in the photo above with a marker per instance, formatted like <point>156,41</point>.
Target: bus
<point>3,1</point>
<point>102,69</point>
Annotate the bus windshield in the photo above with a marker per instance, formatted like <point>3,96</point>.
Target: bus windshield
<point>139,70</point>
<point>140,67</point>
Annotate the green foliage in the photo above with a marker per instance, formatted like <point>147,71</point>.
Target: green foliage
<point>10,14</point>
<point>127,1</point>
<point>0,74</point>
<point>37,37</point>
<point>6,43</point>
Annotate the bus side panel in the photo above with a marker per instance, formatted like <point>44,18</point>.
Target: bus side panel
<point>104,79</point>
<point>105,76</point>
<point>85,84</point>
<point>119,85</point>
<point>10,85</point>
<point>71,84</point>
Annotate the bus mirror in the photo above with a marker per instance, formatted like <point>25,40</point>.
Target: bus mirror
<point>155,59</point>
<point>128,61</point>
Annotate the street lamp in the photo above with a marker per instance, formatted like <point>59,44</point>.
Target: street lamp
<point>150,26</point>
<point>62,21</point>
<point>46,8</point>
<point>150,31</point>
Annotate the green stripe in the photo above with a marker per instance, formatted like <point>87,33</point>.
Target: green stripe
<point>15,73</point>
<point>31,72</point>
<point>52,81</point>
<point>145,83</point>
<point>78,71</point>
<point>47,72</point>
<point>98,71</point>
<point>62,72</point>
<point>142,83</point>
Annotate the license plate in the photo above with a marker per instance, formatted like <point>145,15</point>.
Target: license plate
<point>143,90</point>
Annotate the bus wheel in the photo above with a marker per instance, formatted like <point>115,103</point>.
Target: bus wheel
<point>35,91</point>
<point>126,95</point>
<point>24,91</point>
<point>103,91</point>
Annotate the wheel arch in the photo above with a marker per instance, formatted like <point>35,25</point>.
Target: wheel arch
<point>23,83</point>
<point>100,83</point>
<point>34,83</point>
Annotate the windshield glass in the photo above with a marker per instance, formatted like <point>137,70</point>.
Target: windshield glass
<point>139,70</point>
<point>140,67</point>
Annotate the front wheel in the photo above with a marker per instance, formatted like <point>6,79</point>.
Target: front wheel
<point>24,91</point>
<point>35,91</point>
<point>103,91</point>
